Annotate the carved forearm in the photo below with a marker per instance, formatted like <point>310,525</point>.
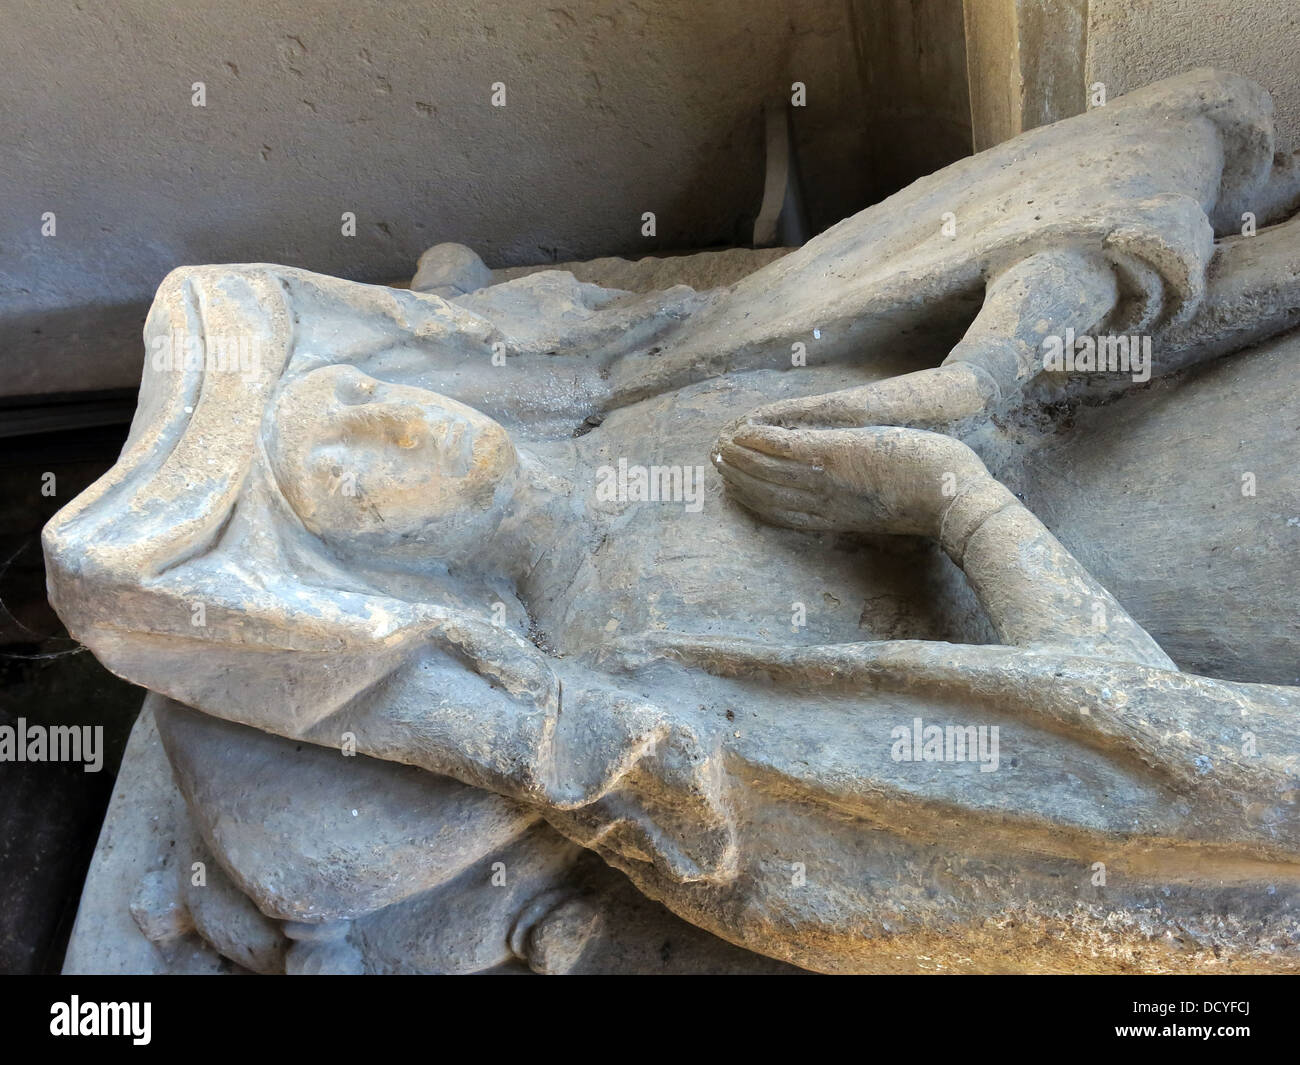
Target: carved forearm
<point>1035,592</point>
<point>1049,291</point>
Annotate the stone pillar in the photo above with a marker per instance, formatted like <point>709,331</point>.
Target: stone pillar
<point>1025,64</point>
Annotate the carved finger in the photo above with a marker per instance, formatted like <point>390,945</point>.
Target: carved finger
<point>759,494</point>
<point>791,519</point>
<point>768,439</point>
<point>764,467</point>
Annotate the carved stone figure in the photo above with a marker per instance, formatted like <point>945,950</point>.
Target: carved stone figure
<point>536,620</point>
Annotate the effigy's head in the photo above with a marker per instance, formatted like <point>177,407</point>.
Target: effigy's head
<point>367,462</point>
<point>304,504</point>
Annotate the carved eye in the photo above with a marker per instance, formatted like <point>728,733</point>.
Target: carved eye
<point>352,388</point>
<point>388,425</point>
<point>403,429</point>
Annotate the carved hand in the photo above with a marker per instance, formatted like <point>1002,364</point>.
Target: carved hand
<point>873,480</point>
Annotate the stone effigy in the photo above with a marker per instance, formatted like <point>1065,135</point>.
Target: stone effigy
<point>534,620</point>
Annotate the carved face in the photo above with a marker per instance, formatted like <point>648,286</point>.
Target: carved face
<point>362,460</point>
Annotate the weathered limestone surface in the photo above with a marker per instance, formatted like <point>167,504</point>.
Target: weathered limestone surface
<point>564,910</point>
<point>448,687</point>
<point>702,270</point>
<point>131,919</point>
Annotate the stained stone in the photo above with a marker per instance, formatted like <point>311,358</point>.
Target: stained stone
<point>808,620</point>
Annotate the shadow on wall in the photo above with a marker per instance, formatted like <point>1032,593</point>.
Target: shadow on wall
<point>911,57</point>
<point>387,111</point>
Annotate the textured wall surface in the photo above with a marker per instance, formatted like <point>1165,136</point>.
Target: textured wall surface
<point>1025,60</point>
<point>1134,42</point>
<point>383,109</point>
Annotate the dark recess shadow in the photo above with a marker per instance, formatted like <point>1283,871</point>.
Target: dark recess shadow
<point>52,811</point>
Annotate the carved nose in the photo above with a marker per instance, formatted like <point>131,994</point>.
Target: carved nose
<point>354,388</point>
